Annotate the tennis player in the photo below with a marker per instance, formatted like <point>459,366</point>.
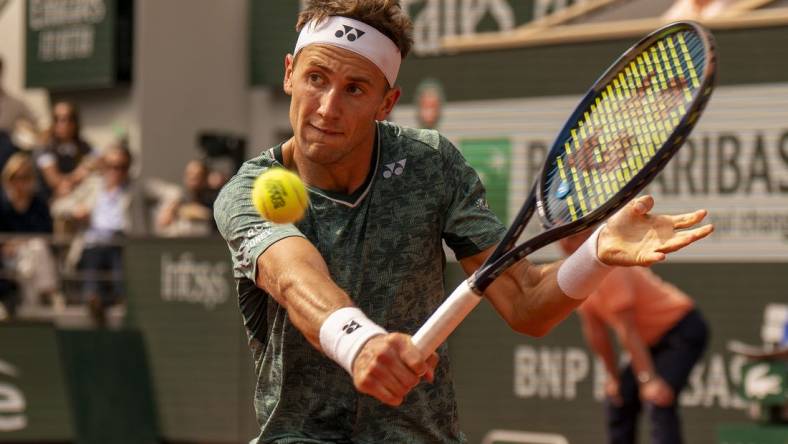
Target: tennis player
<point>329,302</point>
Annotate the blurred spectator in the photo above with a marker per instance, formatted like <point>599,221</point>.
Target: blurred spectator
<point>111,208</point>
<point>696,9</point>
<point>216,180</point>
<point>66,158</point>
<point>430,99</point>
<point>191,214</point>
<point>12,109</point>
<point>28,259</point>
<point>22,209</point>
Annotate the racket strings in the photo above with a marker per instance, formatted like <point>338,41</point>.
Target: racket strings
<point>630,119</point>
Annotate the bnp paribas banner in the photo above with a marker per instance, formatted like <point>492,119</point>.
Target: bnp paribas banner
<point>735,163</point>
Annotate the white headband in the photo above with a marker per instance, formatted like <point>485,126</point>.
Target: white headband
<point>355,36</point>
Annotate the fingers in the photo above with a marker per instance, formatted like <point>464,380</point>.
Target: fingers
<point>658,392</point>
<point>687,220</point>
<point>432,362</point>
<point>653,257</point>
<point>389,366</point>
<point>662,397</point>
<point>683,238</point>
<point>642,204</point>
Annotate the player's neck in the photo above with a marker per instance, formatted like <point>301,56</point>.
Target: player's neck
<point>344,176</point>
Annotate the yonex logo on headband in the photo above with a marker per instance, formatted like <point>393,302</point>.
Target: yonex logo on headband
<point>349,32</point>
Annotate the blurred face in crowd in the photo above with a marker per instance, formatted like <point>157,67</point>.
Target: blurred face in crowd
<point>429,109</point>
<point>64,123</point>
<point>20,177</point>
<point>195,176</point>
<point>336,96</point>
<point>116,167</point>
<point>216,180</point>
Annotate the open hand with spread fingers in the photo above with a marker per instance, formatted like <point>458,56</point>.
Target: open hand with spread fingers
<point>632,236</point>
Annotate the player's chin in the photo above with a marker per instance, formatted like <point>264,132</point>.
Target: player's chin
<point>325,144</point>
<point>324,153</point>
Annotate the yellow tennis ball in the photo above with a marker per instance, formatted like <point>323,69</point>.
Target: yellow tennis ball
<point>280,196</point>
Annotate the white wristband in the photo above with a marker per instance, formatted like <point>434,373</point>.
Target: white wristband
<point>582,271</point>
<point>343,334</point>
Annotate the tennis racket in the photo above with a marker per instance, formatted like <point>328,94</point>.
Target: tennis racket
<point>623,132</point>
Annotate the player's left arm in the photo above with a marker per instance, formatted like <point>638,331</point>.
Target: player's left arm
<point>530,298</point>
<point>526,296</point>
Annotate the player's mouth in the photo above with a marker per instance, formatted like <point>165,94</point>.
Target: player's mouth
<point>326,131</point>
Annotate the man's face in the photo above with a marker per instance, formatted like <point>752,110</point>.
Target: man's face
<point>116,167</point>
<point>336,95</point>
<point>65,123</point>
<point>194,176</point>
<point>429,109</point>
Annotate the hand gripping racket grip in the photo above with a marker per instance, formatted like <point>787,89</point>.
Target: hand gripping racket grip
<point>446,318</point>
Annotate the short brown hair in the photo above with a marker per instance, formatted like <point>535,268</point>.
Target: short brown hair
<point>384,15</point>
<point>15,163</point>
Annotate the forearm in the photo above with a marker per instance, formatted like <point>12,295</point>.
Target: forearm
<point>529,298</point>
<point>52,176</point>
<point>79,174</point>
<point>604,349</point>
<point>598,338</point>
<point>542,296</point>
<point>642,364</point>
<point>296,276</point>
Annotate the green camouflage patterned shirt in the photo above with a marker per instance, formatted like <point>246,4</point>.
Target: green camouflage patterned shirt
<point>383,246</point>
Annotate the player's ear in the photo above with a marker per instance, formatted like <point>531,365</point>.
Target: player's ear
<point>287,84</point>
<point>390,99</point>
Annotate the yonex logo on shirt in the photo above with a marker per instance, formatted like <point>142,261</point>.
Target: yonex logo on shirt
<point>350,327</point>
<point>350,33</point>
<point>394,168</point>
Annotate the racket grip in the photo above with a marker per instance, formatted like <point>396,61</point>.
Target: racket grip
<point>446,318</point>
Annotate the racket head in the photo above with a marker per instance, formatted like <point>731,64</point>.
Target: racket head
<point>627,127</point>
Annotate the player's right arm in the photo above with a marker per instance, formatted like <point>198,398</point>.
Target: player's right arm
<point>282,262</point>
<point>294,273</point>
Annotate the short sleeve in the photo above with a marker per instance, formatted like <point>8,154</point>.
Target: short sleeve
<point>470,227</point>
<point>247,234</point>
<point>45,160</point>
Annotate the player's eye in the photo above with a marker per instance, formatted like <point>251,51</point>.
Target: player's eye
<point>355,90</point>
<point>315,78</point>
